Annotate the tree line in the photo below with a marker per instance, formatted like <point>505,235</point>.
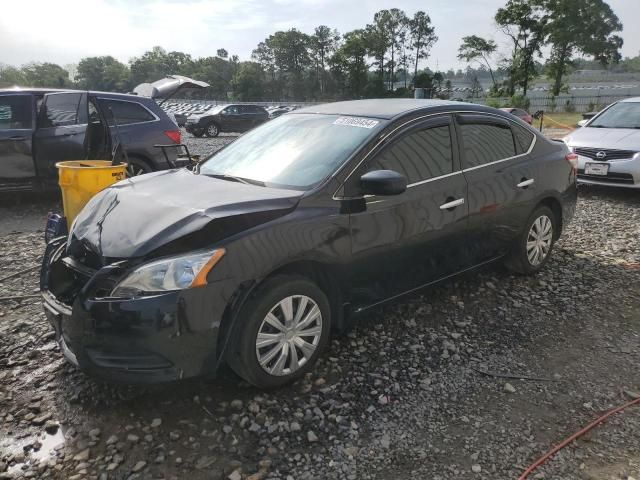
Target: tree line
<point>381,59</point>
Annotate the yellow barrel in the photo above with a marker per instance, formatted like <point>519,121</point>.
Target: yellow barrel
<point>80,180</point>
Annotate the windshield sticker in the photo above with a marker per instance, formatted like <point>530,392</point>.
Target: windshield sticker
<point>356,122</point>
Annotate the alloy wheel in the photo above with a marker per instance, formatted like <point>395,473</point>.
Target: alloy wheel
<point>539,240</point>
<point>134,170</point>
<point>289,335</point>
<point>212,130</point>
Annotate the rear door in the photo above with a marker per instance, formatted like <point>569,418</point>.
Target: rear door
<point>61,131</point>
<point>16,130</point>
<point>404,241</point>
<point>501,179</point>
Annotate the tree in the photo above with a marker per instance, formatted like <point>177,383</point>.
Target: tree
<point>422,37</point>
<point>393,23</point>
<point>157,63</point>
<point>584,26</point>
<point>349,63</point>
<point>291,57</point>
<point>103,73</point>
<point>248,82</point>
<point>10,76</point>
<point>523,22</point>
<point>478,49</point>
<point>222,53</point>
<point>324,42</point>
<point>45,75</point>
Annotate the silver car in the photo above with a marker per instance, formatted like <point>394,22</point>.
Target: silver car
<point>608,146</point>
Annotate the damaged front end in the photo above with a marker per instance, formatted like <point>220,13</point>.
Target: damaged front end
<point>152,338</point>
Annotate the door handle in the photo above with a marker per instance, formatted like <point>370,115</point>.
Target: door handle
<point>13,139</point>
<point>452,204</point>
<point>525,183</point>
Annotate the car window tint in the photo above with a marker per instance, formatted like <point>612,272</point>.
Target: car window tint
<point>15,112</point>
<point>60,110</point>
<point>486,142</point>
<point>524,138</point>
<point>125,112</point>
<point>419,155</point>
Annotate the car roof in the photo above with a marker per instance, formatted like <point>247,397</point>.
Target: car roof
<point>631,100</point>
<point>385,108</point>
<point>69,90</point>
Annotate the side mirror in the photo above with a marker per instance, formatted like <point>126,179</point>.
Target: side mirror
<point>383,182</point>
<point>582,123</point>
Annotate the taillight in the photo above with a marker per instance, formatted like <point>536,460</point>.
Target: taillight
<point>174,135</point>
<point>572,158</point>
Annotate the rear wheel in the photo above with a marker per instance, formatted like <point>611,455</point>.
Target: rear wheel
<point>137,166</point>
<point>212,130</point>
<point>283,329</point>
<point>534,246</point>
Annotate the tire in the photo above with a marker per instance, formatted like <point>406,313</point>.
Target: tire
<point>197,133</point>
<point>212,130</point>
<point>137,166</point>
<point>279,336</point>
<point>523,258</point>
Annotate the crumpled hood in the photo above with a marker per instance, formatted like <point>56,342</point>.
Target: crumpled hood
<point>137,216</point>
<point>613,138</point>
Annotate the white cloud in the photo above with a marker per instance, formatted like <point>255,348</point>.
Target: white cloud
<point>66,30</point>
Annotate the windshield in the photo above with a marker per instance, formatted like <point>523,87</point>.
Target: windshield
<point>620,115</point>
<point>293,151</point>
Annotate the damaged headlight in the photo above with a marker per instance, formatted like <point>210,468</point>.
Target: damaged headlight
<point>170,273</point>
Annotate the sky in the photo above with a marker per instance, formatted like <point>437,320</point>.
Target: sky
<point>64,31</point>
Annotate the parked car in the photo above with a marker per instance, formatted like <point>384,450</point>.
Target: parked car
<point>608,146</point>
<point>520,113</point>
<point>39,127</point>
<point>226,118</point>
<point>284,234</point>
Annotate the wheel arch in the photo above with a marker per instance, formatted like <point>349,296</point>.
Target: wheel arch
<point>325,275</point>
<point>555,206</point>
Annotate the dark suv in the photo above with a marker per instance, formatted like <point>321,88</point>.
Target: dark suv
<point>328,211</point>
<point>226,118</point>
<point>39,127</point>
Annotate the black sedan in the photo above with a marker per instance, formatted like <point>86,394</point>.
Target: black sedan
<point>226,118</point>
<point>297,226</point>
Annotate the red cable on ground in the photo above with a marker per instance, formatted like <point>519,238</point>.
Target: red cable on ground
<point>573,437</point>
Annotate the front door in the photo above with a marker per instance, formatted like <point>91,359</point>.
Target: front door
<point>232,119</point>
<point>61,131</point>
<point>405,241</point>
<point>16,130</point>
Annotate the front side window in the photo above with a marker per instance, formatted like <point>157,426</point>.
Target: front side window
<point>620,115</point>
<point>419,155</point>
<point>125,113</point>
<point>60,110</point>
<point>15,112</point>
<point>293,151</point>
<point>486,142</point>
<point>232,110</point>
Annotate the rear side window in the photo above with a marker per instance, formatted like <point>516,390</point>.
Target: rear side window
<point>125,113</point>
<point>15,112</point>
<point>486,142</point>
<point>524,138</point>
<point>60,110</point>
<point>419,155</point>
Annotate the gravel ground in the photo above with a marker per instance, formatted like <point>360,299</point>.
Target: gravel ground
<point>409,392</point>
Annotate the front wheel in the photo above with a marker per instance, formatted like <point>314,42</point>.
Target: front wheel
<point>533,248</point>
<point>212,130</point>
<point>282,330</point>
<point>197,133</point>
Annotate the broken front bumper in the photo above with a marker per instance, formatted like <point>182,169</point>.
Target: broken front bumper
<point>165,337</point>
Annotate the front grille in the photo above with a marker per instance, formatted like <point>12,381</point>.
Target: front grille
<point>609,154</point>
<point>611,177</point>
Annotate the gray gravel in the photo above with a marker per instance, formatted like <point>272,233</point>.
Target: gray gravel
<point>407,393</point>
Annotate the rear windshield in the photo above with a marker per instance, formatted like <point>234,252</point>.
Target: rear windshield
<point>620,115</point>
<point>293,151</point>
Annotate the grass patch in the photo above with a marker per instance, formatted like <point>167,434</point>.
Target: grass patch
<point>558,120</point>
